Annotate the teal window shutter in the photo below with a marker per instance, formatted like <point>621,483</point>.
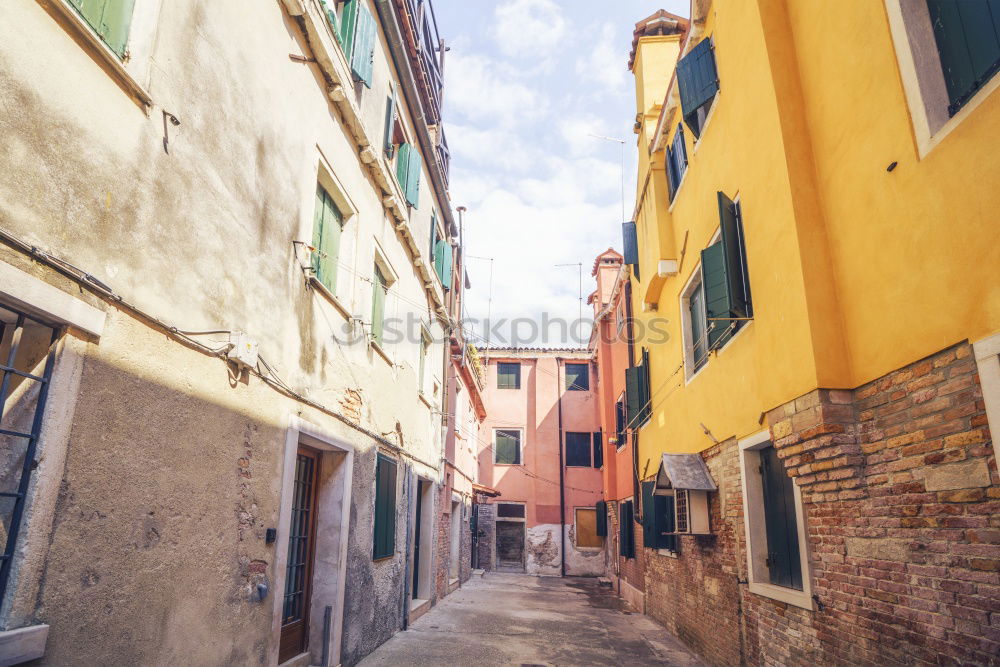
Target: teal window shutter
<point>726,281</point>
<point>676,161</point>
<point>602,518</point>
<point>507,447</point>
<point>626,530</point>
<point>697,82</point>
<point>402,165</point>
<point>598,449</point>
<point>348,25</point>
<point>783,563</point>
<point>637,397</point>
<point>414,167</point>
<point>967,34</point>
<point>379,289</point>
<point>327,226</point>
<point>384,542</point>
<point>390,123</point>
<point>110,19</point>
<point>630,246</point>
<point>363,53</point>
<point>446,264</point>
<point>648,518</point>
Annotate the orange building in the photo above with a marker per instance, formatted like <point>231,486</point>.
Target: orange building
<point>540,447</point>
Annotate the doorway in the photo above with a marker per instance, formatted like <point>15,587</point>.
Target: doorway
<point>421,549</point>
<point>455,569</point>
<point>301,554</point>
<point>510,537</point>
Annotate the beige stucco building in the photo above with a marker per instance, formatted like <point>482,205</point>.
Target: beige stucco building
<point>226,304</point>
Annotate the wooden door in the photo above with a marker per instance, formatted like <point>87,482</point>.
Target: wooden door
<point>301,552</point>
<point>510,545</point>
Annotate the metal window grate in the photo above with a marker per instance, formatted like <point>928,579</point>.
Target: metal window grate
<point>299,539</point>
<point>26,345</point>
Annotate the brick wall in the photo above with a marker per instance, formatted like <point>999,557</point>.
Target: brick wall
<point>902,502</point>
<point>484,545</point>
<point>631,570</point>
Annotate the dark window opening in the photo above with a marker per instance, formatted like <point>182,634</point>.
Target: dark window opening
<point>783,557</point>
<point>510,510</point>
<point>578,377</point>
<point>578,449</point>
<point>508,375</point>
<point>507,447</point>
<point>967,34</point>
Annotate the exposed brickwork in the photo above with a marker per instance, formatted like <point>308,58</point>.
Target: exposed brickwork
<point>631,570</point>
<point>484,545</point>
<point>902,502</point>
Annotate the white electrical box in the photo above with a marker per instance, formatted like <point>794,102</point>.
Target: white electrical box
<point>243,349</point>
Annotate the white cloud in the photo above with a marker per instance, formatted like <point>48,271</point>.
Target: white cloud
<point>480,88</point>
<point>605,64</point>
<point>529,28</point>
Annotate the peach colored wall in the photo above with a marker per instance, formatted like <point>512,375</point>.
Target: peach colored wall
<point>534,408</point>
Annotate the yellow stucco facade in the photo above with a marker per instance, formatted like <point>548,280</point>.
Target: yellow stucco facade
<point>855,270</point>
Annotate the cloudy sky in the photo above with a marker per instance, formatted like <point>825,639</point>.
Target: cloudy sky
<point>527,82</point>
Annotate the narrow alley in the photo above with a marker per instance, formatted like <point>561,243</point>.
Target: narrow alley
<point>515,619</point>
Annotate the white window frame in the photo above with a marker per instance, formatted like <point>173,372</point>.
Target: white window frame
<point>520,445</point>
<point>928,131</point>
<point>987,353</point>
<point>343,295</point>
<point>694,282</point>
<point>756,530</point>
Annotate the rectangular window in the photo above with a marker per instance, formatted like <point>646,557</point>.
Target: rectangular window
<point>775,525</point>
<point>389,138</point>
<point>726,281</point>
<point>638,408</point>
<point>27,358</point>
<point>380,288</point>
<point>508,375</point>
<point>510,510</point>
<point>626,530</point>
<point>363,53</point>
<point>328,223</point>
<point>507,446</point>
<point>695,325</point>
<point>385,508</point>
<point>110,19</point>
<point>425,346</point>
<point>578,448</point>
<point>578,377</point>
<point>676,161</point>
<point>967,34</point>
<point>344,20</point>
<point>598,442</point>
<point>698,83</point>
<point>779,519</point>
<point>443,263</point>
<point>586,529</point>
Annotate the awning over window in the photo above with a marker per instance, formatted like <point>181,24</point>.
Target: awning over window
<point>684,471</point>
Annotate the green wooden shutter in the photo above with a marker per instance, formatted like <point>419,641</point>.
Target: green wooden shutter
<point>602,518</point>
<point>633,396</point>
<point>648,518</point>
<point>732,247</point>
<point>697,81</point>
<point>390,122</point>
<point>726,281</point>
<point>403,166</point>
<point>626,530</point>
<point>967,34</point>
<point>384,542</point>
<point>363,54</point>
<point>598,449</point>
<point>716,284</point>
<point>379,289</point>
<point>327,227</point>
<point>110,19</point>
<point>348,24</point>
<point>443,262</point>
<point>414,166</point>
<point>781,526</point>
<point>630,247</point>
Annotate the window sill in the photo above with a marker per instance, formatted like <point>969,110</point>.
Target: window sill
<point>507,465</point>
<point>330,296</point>
<point>103,52</point>
<point>381,353</point>
<point>23,644</point>
<point>668,553</point>
<point>782,594</point>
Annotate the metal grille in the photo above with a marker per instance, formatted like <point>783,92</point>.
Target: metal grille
<point>681,499</point>
<point>299,539</point>
<point>27,354</point>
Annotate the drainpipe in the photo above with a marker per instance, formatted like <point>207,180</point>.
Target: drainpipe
<point>562,484</point>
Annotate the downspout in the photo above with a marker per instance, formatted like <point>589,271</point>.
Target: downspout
<point>562,484</point>
<point>631,364</point>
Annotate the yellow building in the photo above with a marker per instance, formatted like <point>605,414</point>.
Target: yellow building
<point>816,234</point>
